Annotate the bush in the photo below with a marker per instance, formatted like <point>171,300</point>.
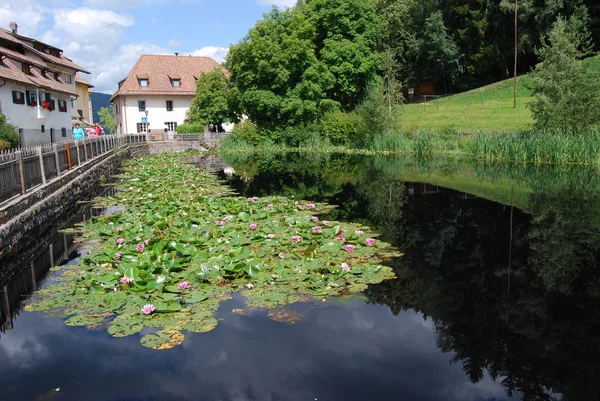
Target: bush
<point>8,135</point>
<point>190,129</point>
<point>246,131</point>
<point>294,136</point>
<point>340,128</point>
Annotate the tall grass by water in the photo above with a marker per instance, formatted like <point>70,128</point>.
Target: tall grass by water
<point>539,147</point>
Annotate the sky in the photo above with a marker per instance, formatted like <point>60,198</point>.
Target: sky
<point>108,36</point>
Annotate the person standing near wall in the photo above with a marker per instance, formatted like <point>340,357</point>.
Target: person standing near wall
<point>78,133</point>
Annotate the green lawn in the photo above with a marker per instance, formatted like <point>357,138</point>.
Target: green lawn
<point>489,108</point>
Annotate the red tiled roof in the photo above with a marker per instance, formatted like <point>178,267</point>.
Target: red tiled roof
<point>26,42</point>
<point>81,80</point>
<point>159,70</point>
<point>10,70</point>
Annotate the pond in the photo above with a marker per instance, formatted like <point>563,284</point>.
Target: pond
<point>496,298</point>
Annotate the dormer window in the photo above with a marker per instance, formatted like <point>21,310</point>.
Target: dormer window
<point>26,68</point>
<point>176,82</point>
<point>68,78</point>
<point>45,73</point>
<point>57,76</point>
<point>144,82</point>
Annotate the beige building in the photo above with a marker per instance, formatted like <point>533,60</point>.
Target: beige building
<point>82,107</point>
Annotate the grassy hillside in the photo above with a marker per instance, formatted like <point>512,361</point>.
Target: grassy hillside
<point>488,108</point>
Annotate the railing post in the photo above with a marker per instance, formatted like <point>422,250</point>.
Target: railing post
<point>40,153</point>
<point>84,149</point>
<point>68,155</point>
<point>55,149</point>
<point>78,157</point>
<point>19,156</point>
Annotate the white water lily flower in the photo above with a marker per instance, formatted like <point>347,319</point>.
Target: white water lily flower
<point>160,279</point>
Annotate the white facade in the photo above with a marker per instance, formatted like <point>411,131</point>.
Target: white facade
<point>36,125</point>
<point>129,119</point>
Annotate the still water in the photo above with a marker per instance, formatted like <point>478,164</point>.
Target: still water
<point>497,298</point>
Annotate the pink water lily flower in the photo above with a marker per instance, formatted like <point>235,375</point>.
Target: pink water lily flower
<point>314,219</point>
<point>359,232</point>
<point>219,222</point>
<point>326,223</point>
<point>300,207</point>
<point>119,255</point>
<point>310,205</point>
<point>184,286</point>
<point>126,280</point>
<point>250,200</point>
<point>253,226</point>
<point>281,255</point>
<point>119,229</point>
<point>317,230</point>
<point>342,231</point>
<point>271,236</point>
<point>270,207</point>
<point>146,242</point>
<point>140,247</point>
<point>286,204</point>
<point>349,248</point>
<point>120,242</point>
<point>345,267</point>
<point>148,309</point>
<point>295,239</point>
<point>370,241</point>
<point>341,239</point>
<point>227,219</point>
<point>255,198</point>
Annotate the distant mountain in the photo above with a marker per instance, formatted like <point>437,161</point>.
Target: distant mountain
<point>99,100</point>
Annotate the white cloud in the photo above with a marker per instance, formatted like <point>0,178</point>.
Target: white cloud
<point>216,53</point>
<point>278,3</point>
<point>175,43</point>
<point>28,17</point>
<point>154,21</point>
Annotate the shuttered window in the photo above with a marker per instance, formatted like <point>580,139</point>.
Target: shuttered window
<point>18,97</point>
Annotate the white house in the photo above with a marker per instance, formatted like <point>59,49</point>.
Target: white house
<point>37,88</point>
<point>156,95</point>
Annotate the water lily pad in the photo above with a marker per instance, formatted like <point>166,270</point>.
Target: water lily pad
<point>285,316</point>
<point>163,339</point>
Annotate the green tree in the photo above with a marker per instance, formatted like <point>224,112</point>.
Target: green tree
<point>566,92</point>
<point>107,118</point>
<point>8,135</point>
<point>210,105</point>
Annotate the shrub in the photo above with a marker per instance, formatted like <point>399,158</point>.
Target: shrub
<point>246,131</point>
<point>8,135</point>
<point>190,129</point>
<point>340,128</point>
<point>294,136</point>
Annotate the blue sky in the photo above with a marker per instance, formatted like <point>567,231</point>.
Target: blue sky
<point>108,36</point>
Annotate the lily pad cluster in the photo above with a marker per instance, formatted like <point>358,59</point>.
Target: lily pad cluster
<point>180,243</point>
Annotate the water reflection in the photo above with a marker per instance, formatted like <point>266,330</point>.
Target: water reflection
<point>535,334</point>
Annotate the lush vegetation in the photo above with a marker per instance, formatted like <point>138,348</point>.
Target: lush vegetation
<point>107,119</point>
<point>210,105</point>
<point>9,138</point>
<point>183,244</point>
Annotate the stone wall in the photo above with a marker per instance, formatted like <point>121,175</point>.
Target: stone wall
<point>20,218</point>
<point>155,148</point>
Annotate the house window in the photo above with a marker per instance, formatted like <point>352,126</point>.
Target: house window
<point>68,79</point>
<point>43,129</point>
<point>62,106</point>
<point>171,127</point>
<point>169,105</point>
<point>176,82</point>
<point>116,109</point>
<point>63,132</point>
<point>26,68</point>
<point>144,82</point>
<point>18,97</point>
<point>142,105</point>
<point>142,128</point>
<point>31,100</point>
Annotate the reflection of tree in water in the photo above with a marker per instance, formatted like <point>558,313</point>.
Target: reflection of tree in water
<point>455,272</point>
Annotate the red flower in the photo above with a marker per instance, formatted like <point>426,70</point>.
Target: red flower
<point>45,104</point>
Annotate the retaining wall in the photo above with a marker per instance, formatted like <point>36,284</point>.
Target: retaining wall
<point>20,218</point>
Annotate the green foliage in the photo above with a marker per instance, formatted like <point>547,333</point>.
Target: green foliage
<point>374,112</point>
<point>296,65</point>
<point>9,138</point>
<point>340,128</point>
<point>211,103</point>
<point>247,132</point>
<point>195,128</point>
<point>567,94</point>
<point>295,135</point>
<point>107,119</point>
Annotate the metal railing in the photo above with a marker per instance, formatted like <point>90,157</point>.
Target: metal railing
<point>23,169</point>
